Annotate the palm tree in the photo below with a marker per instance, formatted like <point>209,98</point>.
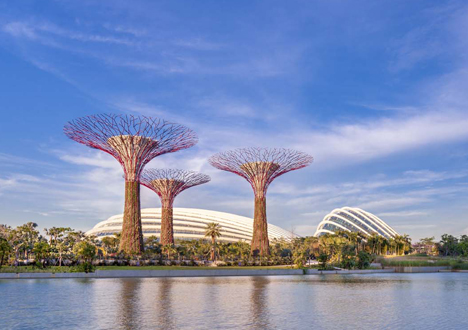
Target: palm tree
<point>169,250</point>
<point>110,244</point>
<point>399,243</point>
<point>406,243</point>
<point>373,241</point>
<point>213,230</point>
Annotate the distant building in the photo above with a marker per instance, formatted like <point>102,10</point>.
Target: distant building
<point>354,220</point>
<point>191,224</point>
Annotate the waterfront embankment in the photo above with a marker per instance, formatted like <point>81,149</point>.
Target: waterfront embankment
<point>220,273</point>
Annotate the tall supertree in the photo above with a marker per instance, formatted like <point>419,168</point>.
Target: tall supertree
<point>168,183</point>
<point>260,166</point>
<point>133,141</point>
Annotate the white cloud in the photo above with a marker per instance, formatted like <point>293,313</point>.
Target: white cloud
<point>20,29</point>
<point>404,214</point>
<point>344,144</point>
<point>303,230</point>
<point>41,31</point>
<point>98,159</point>
<point>413,226</point>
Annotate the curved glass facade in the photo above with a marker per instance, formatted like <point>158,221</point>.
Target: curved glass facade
<point>354,220</point>
<point>191,224</point>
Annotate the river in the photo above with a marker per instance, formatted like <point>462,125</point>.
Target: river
<point>374,301</point>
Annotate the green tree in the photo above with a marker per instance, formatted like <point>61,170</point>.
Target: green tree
<point>110,244</point>
<point>169,250</point>
<point>463,245</point>
<point>5,250</point>
<point>364,260</point>
<point>448,244</point>
<point>60,242</point>
<point>23,238</point>
<point>348,257</point>
<point>41,252</point>
<point>85,251</point>
<point>152,244</point>
<point>323,260</point>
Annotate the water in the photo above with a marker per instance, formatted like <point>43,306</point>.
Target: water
<point>378,301</point>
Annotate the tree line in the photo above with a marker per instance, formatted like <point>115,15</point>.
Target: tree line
<point>63,246</point>
<point>448,246</point>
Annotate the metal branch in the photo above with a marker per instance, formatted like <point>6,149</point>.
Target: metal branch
<point>132,140</point>
<point>168,183</point>
<point>260,166</point>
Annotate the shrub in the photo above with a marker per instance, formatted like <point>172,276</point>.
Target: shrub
<point>85,267</point>
<point>323,259</point>
<point>348,261</point>
<point>364,260</point>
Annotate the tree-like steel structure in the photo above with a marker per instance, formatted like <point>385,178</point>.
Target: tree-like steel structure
<point>260,166</point>
<point>133,141</point>
<point>168,183</point>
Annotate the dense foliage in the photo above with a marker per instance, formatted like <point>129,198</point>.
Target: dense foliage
<point>24,245</point>
<point>448,246</point>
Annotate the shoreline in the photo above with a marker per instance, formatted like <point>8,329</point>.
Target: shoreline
<point>221,273</point>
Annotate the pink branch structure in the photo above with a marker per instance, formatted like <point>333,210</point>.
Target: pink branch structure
<point>260,166</point>
<point>133,141</point>
<point>168,183</point>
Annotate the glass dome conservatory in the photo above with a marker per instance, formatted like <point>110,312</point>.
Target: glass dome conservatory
<point>191,224</point>
<point>355,220</point>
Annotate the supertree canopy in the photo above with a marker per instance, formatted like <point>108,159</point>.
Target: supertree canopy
<point>260,166</point>
<point>133,141</point>
<point>168,183</point>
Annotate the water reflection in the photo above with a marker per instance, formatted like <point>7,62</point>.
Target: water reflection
<point>386,301</point>
<point>259,302</point>
<point>163,304</point>
<point>128,315</point>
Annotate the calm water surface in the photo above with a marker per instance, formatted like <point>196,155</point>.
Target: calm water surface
<point>379,301</point>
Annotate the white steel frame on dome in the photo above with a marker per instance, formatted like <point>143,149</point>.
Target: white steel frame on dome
<point>374,226</point>
<point>233,227</point>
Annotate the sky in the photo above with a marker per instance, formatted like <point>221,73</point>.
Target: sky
<point>375,91</point>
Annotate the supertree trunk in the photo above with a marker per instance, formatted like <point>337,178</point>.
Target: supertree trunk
<point>133,141</point>
<point>167,231</point>
<point>260,244</point>
<point>132,237</point>
<point>260,166</point>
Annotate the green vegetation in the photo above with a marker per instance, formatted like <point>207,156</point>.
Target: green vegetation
<point>73,269</point>
<point>425,261</point>
<point>449,246</point>
<point>23,249</point>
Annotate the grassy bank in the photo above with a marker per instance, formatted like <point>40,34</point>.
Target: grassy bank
<point>30,269</point>
<point>423,261</point>
<point>65,269</point>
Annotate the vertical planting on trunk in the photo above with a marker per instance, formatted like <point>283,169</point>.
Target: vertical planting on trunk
<point>133,141</point>
<point>167,230</point>
<point>132,237</point>
<point>260,166</point>
<point>260,244</point>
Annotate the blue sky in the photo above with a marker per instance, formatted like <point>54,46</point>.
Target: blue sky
<point>375,91</point>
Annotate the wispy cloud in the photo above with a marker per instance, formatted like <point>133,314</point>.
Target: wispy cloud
<point>44,30</point>
<point>12,160</point>
<point>365,141</point>
<point>404,214</point>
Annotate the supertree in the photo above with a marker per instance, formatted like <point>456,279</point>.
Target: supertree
<point>133,141</point>
<point>260,166</point>
<point>168,183</point>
